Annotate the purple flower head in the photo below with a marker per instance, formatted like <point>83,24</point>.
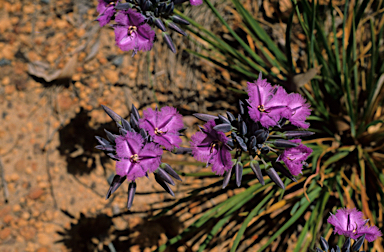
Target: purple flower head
<point>350,223</point>
<point>196,2</point>
<point>163,126</point>
<point>300,110</point>
<point>132,33</point>
<point>294,157</point>
<point>211,146</point>
<point>267,103</point>
<point>106,11</point>
<point>136,158</point>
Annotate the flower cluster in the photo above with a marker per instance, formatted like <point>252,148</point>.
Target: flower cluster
<point>263,125</point>
<point>134,19</point>
<point>351,224</point>
<point>137,149</point>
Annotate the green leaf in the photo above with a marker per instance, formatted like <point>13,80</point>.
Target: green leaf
<point>250,216</point>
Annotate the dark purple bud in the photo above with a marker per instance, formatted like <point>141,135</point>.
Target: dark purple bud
<point>160,24</point>
<point>114,157</point>
<point>241,143</point>
<point>275,178</point>
<point>264,150</point>
<point>284,143</point>
<point>161,7</point>
<point>293,134</point>
<point>347,245</point>
<point>261,135</point>
<point>359,242</point>
<point>223,119</point>
<point>252,142</point>
<point>139,2</point>
<point>163,184</point>
<point>131,193</point>
<point>179,1</point>
<point>205,117</point>
<point>223,127</point>
<point>230,144</point>
<point>174,27</point>
<point>324,244</point>
<point>238,173</point>
<point>143,133</point>
<point>226,179</point>
<point>332,250</point>
<point>126,125</point>
<point>135,113</point>
<point>256,169</point>
<point>168,41</point>
<point>179,20</point>
<point>123,6</point>
<point>134,122</point>
<point>111,137</point>
<point>243,128</point>
<point>279,167</point>
<point>156,12</point>
<point>112,114</point>
<point>170,171</point>
<point>230,116</point>
<point>241,107</point>
<point>169,9</point>
<point>105,147</point>
<point>338,249</point>
<point>318,250</point>
<point>182,150</point>
<point>116,182</point>
<point>123,132</point>
<point>147,5</point>
<point>102,141</point>
<point>164,176</point>
<point>233,135</point>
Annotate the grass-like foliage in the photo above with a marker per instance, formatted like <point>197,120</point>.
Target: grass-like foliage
<point>346,96</point>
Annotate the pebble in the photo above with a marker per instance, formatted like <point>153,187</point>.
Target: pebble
<point>35,193</point>
<point>4,233</point>
<point>27,232</point>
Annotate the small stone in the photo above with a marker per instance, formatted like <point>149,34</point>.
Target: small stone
<point>42,249</point>
<point>28,232</point>
<point>5,233</point>
<point>44,239</point>
<point>35,193</point>
<point>25,215</point>
<point>20,165</point>
<point>7,219</point>
<point>111,75</point>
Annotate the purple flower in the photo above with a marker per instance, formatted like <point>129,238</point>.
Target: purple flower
<point>196,2</point>
<point>132,33</point>
<point>294,157</point>
<point>163,126</point>
<point>350,223</point>
<point>300,110</point>
<point>106,11</point>
<point>267,102</point>
<point>136,158</point>
<point>211,146</point>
